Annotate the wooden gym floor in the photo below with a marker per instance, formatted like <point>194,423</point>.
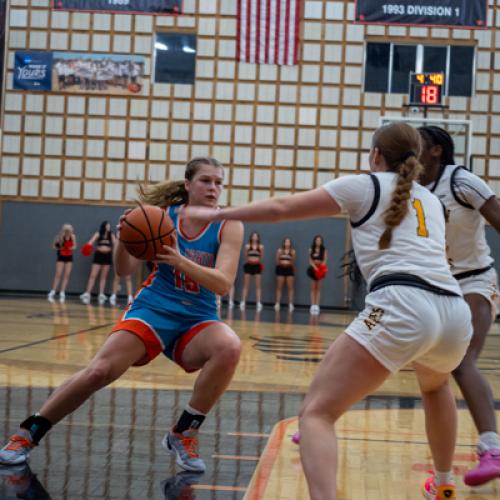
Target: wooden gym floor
<point>110,447</point>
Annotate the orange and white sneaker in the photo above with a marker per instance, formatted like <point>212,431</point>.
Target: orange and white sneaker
<point>442,492</point>
<point>17,450</point>
<point>185,448</point>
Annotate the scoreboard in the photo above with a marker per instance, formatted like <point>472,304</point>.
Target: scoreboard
<point>426,89</point>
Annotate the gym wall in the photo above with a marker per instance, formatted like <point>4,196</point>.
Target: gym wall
<point>279,129</point>
<point>27,261</point>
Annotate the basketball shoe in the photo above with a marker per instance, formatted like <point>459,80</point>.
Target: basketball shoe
<point>85,297</point>
<point>487,469</point>
<point>17,450</point>
<point>185,448</point>
<point>441,492</point>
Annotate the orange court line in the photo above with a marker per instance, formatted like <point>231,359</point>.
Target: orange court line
<point>217,487</point>
<point>259,481</point>
<point>236,457</point>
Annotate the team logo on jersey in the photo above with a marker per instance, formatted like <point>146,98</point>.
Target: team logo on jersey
<point>374,318</point>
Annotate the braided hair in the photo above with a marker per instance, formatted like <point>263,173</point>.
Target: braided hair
<point>168,193</point>
<point>400,145</point>
<point>437,136</point>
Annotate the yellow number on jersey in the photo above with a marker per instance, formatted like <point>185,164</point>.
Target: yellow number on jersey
<point>421,229</point>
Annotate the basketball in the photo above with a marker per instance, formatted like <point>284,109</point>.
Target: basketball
<point>145,230</point>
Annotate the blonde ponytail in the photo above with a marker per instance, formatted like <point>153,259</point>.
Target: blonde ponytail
<point>163,194</point>
<point>407,173</point>
<point>400,145</point>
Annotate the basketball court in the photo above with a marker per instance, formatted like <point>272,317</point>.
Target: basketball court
<point>110,447</point>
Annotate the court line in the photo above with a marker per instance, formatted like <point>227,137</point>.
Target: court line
<point>249,434</point>
<point>260,478</point>
<point>249,458</point>
<point>217,487</point>
<point>55,337</point>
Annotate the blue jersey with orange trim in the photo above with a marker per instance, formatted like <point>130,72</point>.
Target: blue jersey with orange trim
<point>168,288</point>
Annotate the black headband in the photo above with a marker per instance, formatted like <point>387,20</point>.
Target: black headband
<point>407,155</point>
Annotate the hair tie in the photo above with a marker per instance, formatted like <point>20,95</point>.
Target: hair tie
<point>407,155</point>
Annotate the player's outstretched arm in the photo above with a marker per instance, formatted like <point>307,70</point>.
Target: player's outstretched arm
<point>309,205</point>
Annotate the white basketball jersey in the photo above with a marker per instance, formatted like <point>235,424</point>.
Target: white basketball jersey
<point>418,243</point>
<point>463,194</point>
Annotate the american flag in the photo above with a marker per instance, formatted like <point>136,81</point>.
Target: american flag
<point>268,31</point>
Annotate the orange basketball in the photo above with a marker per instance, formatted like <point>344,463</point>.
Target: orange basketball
<point>134,87</point>
<point>145,230</point>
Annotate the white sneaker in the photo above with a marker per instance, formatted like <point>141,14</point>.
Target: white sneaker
<point>314,309</point>
<point>130,299</point>
<point>291,307</point>
<point>112,299</point>
<point>102,298</point>
<point>242,305</point>
<point>259,306</point>
<point>230,304</point>
<point>51,295</point>
<point>62,297</point>
<point>85,297</point>
<point>276,307</point>
<point>185,449</point>
<point>17,450</point>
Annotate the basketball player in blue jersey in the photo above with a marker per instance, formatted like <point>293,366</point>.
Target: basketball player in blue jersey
<point>414,311</point>
<point>174,314</point>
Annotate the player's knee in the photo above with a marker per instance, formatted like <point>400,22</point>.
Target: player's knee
<point>229,353</point>
<point>318,410</point>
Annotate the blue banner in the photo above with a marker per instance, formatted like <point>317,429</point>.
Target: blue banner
<point>33,71</point>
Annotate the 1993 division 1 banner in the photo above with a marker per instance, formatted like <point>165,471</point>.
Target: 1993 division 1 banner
<point>466,13</point>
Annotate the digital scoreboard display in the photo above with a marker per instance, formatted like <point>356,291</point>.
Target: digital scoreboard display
<point>426,89</point>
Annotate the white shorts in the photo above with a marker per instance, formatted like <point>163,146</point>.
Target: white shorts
<point>484,284</point>
<point>401,324</point>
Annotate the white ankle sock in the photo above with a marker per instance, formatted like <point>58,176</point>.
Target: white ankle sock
<point>191,410</point>
<point>488,440</point>
<point>444,478</point>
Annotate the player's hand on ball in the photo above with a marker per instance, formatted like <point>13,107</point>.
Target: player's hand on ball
<point>120,222</point>
<point>170,254</point>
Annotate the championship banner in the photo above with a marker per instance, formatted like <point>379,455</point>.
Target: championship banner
<point>130,6</point>
<point>32,70</point>
<point>459,13</point>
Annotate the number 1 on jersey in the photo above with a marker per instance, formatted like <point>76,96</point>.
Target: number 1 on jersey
<point>422,228</point>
